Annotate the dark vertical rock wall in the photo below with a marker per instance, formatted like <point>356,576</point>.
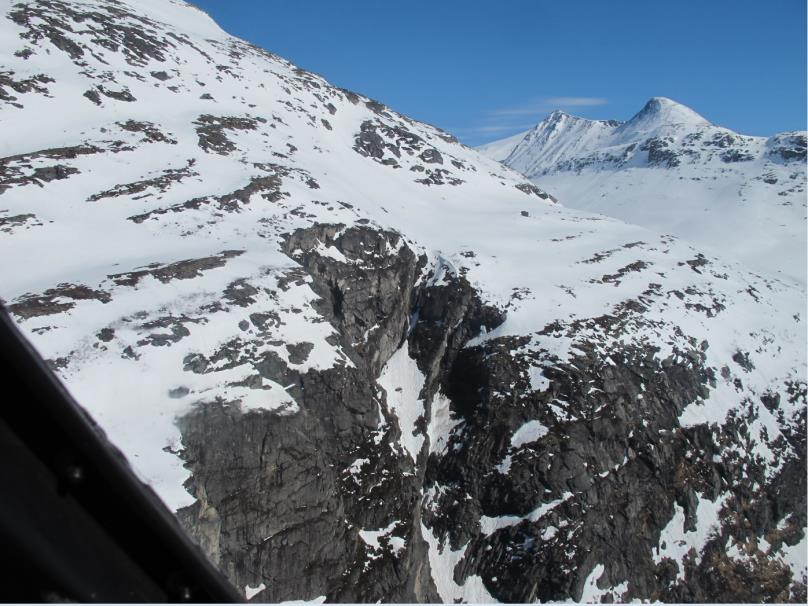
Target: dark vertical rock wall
<point>279,503</point>
<point>276,503</point>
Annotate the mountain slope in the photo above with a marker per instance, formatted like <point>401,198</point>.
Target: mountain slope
<point>670,170</point>
<point>363,362</point>
<point>499,150</point>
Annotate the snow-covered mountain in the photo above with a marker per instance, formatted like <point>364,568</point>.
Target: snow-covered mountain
<point>362,361</point>
<point>670,170</point>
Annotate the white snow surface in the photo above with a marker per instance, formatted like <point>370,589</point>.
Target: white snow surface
<point>796,557</point>
<point>752,209</point>
<point>442,561</point>
<point>251,592</point>
<point>318,600</point>
<point>403,381</point>
<point>372,540</point>
<point>527,433</point>
<point>489,524</point>
<point>591,593</point>
<point>499,150</point>
<point>675,542</point>
<point>441,423</point>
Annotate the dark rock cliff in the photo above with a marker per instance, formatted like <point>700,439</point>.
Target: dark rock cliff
<point>282,498</point>
<point>276,501</point>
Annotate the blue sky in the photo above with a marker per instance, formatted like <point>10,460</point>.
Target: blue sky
<point>484,70</point>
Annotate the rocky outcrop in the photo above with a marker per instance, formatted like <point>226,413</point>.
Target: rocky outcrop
<point>281,493</point>
<point>550,493</point>
<point>597,486</point>
<point>788,147</point>
<point>387,145</point>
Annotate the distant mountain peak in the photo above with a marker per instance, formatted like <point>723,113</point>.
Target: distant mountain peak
<point>554,120</point>
<point>662,111</point>
<point>668,168</point>
<point>559,116</point>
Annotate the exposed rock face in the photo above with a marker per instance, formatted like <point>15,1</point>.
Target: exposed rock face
<point>594,482</point>
<point>366,288</point>
<point>54,301</point>
<point>609,474</point>
<point>788,147</point>
<point>277,493</point>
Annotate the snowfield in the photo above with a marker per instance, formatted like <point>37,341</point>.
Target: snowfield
<point>670,170</point>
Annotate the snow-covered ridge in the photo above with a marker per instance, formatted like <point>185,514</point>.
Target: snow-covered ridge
<point>556,138</point>
<point>661,112</point>
<point>669,169</point>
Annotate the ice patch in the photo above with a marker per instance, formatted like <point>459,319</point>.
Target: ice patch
<point>675,543</point>
<point>489,525</point>
<point>441,424</point>
<point>251,592</point>
<point>403,381</point>
<point>442,562</point>
<point>527,433</point>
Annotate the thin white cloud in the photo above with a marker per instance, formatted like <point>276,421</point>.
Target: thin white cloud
<point>576,101</point>
<point>505,121</point>
<point>548,104</point>
<point>493,128</point>
<point>527,109</point>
